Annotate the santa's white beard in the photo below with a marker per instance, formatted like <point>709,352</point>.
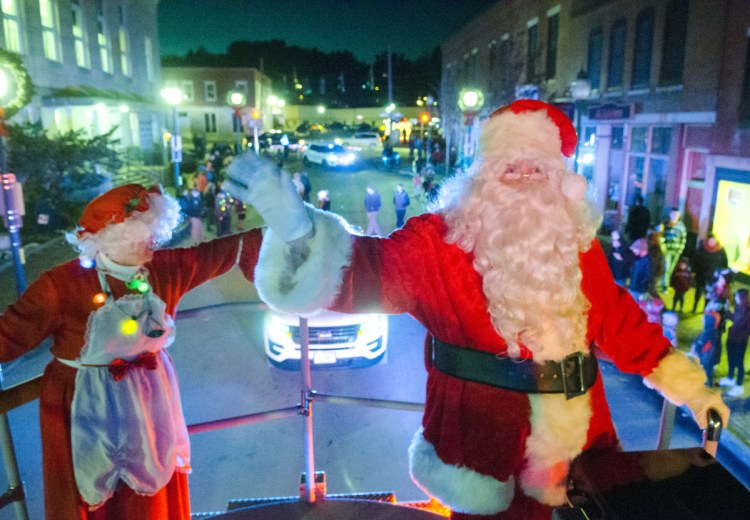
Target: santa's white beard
<point>526,238</point>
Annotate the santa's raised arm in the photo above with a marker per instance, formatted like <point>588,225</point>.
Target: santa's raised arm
<point>513,288</point>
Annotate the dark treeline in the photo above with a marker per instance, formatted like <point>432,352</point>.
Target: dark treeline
<point>335,79</point>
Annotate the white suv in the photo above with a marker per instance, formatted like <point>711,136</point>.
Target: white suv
<point>328,155</point>
<point>335,339</point>
<point>369,141</point>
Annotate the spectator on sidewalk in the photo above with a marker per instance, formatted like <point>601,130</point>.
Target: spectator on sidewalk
<point>324,200</point>
<point>638,221</point>
<point>194,212</point>
<point>707,346</point>
<point>736,345</point>
<point>372,207</point>
<point>620,259</point>
<point>305,178</point>
<point>642,271</point>
<point>681,281</point>
<point>223,210</point>
<point>400,203</point>
<point>673,238</point>
<point>709,256</point>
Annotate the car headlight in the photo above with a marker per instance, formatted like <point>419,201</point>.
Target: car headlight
<point>370,325</point>
<point>277,327</point>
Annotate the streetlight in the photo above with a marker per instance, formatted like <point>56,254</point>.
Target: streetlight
<point>173,96</point>
<point>236,100</point>
<point>580,90</point>
<point>470,101</point>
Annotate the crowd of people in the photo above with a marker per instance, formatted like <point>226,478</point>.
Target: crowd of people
<point>654,267</point>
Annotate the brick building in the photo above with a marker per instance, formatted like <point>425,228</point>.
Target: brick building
<point>667,113</point>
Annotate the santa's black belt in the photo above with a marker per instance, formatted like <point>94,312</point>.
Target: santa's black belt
<point>572,376</point>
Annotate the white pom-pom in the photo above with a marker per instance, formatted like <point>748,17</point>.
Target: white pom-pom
<point>574,186</point>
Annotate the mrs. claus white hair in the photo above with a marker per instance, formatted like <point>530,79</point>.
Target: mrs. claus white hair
<point>143,229</point>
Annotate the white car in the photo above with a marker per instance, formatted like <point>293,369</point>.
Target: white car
<point>335,339</point>
<point>328,155</point>
<point>368,141</point>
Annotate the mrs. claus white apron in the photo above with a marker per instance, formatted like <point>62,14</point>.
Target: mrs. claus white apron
<point>126,417</point>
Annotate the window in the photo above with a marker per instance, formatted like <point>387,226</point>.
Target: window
<point>649,157</point>
<point>241,85</point>
<point>553,29</point>
<point>80,41</point>
<point>673,55</point>
<point>102,39</point>
<point>12,25</point>
<point>532,49</point>
<point>188,93</point>
<point>209,123</point>
<point>209,90</point>
<point>50,30</point>
<point>616,54</point>
<point>148,50</point>
<point>644,36</point>
<point>596,39</point>
<point>124,41</point>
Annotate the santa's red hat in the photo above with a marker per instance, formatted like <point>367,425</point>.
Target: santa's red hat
<point>115,206</point>
<point>529,125</point>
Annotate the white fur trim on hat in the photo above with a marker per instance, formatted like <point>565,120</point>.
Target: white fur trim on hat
<point>314,284</point>
<point>510,134</point>
<point>460,488</point>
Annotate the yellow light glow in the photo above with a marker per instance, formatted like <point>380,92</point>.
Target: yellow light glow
<point>129,327</point>
<point>99,298</point>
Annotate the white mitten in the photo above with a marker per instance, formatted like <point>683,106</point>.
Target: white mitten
<point>258,182</point>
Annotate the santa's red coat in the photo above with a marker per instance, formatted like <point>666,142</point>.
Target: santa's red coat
<point>58,304</point>
<point>472,425</point>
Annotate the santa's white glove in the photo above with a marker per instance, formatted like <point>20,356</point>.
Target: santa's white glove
<point>258,182</point>
<point>702,401</point>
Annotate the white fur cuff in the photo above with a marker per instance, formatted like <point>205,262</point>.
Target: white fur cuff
<point>460,488</point>
<point>315,284</point>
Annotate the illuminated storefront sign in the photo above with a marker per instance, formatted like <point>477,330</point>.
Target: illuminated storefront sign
<point>731,219</point>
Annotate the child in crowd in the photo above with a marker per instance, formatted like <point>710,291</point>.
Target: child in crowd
<point>620,259</point>
<point>737,338</point>
<point>681,280</point>
<point>707,347</point>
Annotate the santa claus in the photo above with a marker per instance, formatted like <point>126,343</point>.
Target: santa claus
<point>513,288</point>
<point>114,441</point>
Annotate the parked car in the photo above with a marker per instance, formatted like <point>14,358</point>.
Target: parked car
<point>274,140</point>
<point>370,141</point>
<point>328,155</point>
<point>335,339</point>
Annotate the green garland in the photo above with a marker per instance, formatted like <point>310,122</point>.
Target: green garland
<point>24,86</point>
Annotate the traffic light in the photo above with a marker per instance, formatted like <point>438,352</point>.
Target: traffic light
<point>424,117</point>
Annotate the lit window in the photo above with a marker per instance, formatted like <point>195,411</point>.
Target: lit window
<point>50,29</point>
<point>188,93</point>
<point>149,52</point>
<point>102,39</point>
<point>12,25</point>
<point>80,41</point>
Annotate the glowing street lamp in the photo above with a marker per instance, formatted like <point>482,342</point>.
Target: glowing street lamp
<point>470,101</point>
<point>173,97</point>
<point>236,99</point>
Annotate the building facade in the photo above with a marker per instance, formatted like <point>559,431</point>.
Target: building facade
<point>665,113</point>
<point>205,109</point>
<point>94,65</point>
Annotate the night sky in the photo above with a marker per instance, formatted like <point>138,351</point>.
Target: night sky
<point>364,27</point>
